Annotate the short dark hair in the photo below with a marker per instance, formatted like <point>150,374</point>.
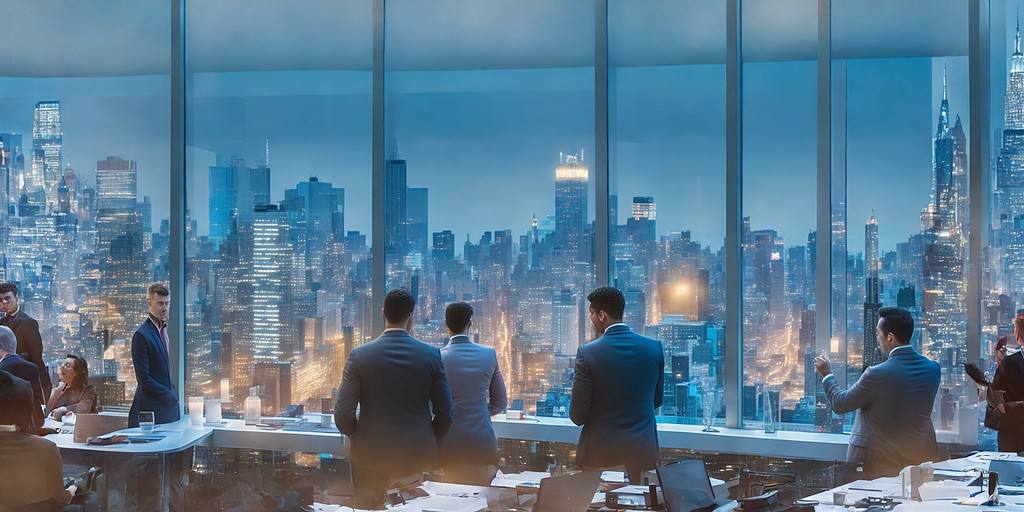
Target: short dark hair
<point>157,289</point>
<point>9,287</point>
<point>398,305</point>
<point>457,316</point>
<point>15,401</point>
<point>609,300</point>
<point>898,322</point>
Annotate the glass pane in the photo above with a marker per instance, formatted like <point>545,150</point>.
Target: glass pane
<point>84,158</point>
<point>667,163</point>
<point>899,121</point>
<point>779,189</point>
<point>1003,266</point>
<point>490,128</point>
<point>278,174</point>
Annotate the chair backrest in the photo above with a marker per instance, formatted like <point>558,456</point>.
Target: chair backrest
<point>91,425</point>
<point>570,493</point>
<point>1011,472</point>
<point>685,485</point>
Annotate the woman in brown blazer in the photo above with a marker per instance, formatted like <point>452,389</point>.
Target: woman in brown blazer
<point>73,394</point>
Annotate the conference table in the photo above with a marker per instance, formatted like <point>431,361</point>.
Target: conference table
<point>973,465</point>
<point>182,435</point>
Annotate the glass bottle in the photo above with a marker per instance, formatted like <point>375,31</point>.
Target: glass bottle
<point>768,411</point>
<point>253,406</point>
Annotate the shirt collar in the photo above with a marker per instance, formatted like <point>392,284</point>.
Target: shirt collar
<point>616,325</point>
<point>12,315</point>
<point>391,329</point>
<point>157,323</point>
<point>460,337</point>
<point>899,347</point>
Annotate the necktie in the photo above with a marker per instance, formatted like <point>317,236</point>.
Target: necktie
<point>163,337</point>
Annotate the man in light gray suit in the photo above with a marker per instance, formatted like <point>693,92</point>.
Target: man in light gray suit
<point>893,428</point>
<point>469,453</point>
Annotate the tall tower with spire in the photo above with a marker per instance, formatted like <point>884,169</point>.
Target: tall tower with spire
<point>1013,117</point>
<point>1010,177</point>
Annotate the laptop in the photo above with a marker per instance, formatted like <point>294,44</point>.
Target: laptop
<point>1011,472</point>
<point>572,493</point>
<point>92,425</point>
<point>686,486</point>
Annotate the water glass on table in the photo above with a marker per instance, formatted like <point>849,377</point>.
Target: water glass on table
<point>146,422</point>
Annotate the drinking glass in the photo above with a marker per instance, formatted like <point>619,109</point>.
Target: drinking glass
<point>710,406</point>
<point>146,422</point>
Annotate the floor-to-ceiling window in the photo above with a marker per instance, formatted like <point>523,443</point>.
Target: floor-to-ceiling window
<point>278,168</point>
<point>84,159</point>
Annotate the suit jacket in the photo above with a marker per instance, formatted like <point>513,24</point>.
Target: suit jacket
<point>478,391</point>
<point>36,484</point>
<point>30,344</point>
<point>156,391</point>
<point>27,372</point>
<point>77,400</point>
<point>893,399</point>
<point>1010,379</point>
<point>405,404</point>
<point>618,384</point>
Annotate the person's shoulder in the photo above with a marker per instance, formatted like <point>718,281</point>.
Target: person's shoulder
<point>425,347</point>
<point>40,445</point>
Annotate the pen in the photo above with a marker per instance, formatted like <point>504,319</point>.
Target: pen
<point>864,489</point>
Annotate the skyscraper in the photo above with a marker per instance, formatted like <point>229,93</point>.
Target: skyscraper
<point>116,183</point>
<point>395,206</point>
<point>267,254</point>
<point>417,219</point>
<point>943,281</point>
<point>872,301</point>
<point>571,179</point>
<point>1010,175</point>
<point>234,190</point>
<point>47,149</point>
<point>872,265</point>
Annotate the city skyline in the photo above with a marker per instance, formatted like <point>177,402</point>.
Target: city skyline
<point>278,240</point>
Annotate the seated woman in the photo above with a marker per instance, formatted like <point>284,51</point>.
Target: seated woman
<point>73,394</point>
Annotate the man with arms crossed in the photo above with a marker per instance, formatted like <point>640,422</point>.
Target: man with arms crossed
<point>618,384</point>
<point>893,399</point>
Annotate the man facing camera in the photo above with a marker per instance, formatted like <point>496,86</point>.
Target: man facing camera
<point>469,453</point>
<point>404,404</point>
<point>618,385</point>
<point>152,360</point>
<point>893,399</point>
<point>26,330</point>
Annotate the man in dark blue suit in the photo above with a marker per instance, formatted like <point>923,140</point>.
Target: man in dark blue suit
<point>158,394</point>
<point>22,369</point>
<point>405,404</point>
<point>617,387</point>
<point>151,357</point>
<point>26,329</point>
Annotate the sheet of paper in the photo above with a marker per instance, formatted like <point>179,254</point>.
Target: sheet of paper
<point>616,477</point>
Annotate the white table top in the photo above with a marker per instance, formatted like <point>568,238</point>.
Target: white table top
<point>182,435</point>
<point>890,486</point>
<point>178,436</point>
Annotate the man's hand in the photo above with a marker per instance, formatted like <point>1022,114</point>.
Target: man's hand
<point>822,365</point>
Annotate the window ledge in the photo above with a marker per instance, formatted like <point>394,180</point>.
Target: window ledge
<point>802,445</point>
